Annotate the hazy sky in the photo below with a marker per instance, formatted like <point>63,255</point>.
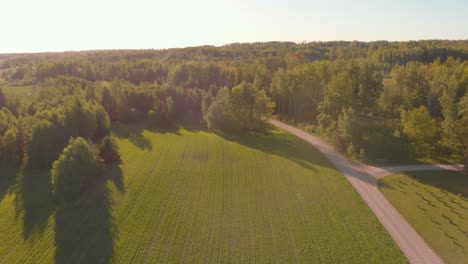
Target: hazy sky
<point>57,25</point>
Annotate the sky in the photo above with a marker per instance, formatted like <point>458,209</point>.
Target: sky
<point>63,25</point>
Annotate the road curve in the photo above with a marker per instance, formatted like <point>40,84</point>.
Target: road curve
<point>364,179</point>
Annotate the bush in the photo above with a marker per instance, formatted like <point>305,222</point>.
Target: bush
<point>351,150</point>
<point>108,151</point>
<point>76,166</point>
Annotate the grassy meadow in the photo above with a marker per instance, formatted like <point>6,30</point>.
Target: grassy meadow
<point>435,203</point>
<point>196,197</point>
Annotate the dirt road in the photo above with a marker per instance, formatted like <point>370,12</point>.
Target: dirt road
<point>364,179</point>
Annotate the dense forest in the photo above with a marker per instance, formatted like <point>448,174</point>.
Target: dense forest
<point>376,101</point>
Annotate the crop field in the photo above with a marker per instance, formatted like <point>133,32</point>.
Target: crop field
<point>197,197</point>
<point>435,203</point>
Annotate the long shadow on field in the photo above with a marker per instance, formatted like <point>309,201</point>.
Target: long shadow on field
<point>455,182</point>
<point>7,180</point>
<point>34,197</point>
<point>283,145</point>
<point>84,231</point>
<point>135,136</point>
<point>134,133</point>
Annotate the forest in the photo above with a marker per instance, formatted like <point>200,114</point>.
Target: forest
<point>376,101</point>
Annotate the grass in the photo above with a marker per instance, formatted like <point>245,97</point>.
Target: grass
<point>435,203</point>
<point>198,197</point>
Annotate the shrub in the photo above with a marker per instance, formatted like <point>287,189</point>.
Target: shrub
<point>351,150</point>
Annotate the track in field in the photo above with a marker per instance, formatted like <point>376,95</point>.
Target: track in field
<point>436,205</point>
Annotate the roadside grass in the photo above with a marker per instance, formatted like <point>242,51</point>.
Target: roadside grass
<point>197,197</point>
<point>435,203</point>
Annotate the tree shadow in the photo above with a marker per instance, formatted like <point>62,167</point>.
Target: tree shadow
<point>285,145</point>
<point>383,185</point>
<point>140,141</point>
<point>114,173</point>
<point>34,197</point>
<point>134,133</point>
<point>84,231</point>
<point>7,181</point>
<point>455,182</point>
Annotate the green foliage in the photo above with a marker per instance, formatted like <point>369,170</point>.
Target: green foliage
<point>102,123</point>
<point>219,114</point>
<point>80,119</point>
<point>207,100</point>
<point>338,95</point>
<point>3,101</point>
<point>309,82</point>
<point>110,105</point>
<point>11,155</point>
<point>244,108</point>
<point>420,128</point>
<point>413,82</point>
<point>7,119</point>
<point>362,155</point>
<point>351,150</point>
<point>170,108</point>
<point>109,151</point>
<point>74,169</point>
<point>44,145</point>
<point>241,103</point>
<point>463,121</point>
<point>349,131</point>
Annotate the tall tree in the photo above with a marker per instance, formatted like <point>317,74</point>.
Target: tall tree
<point>75,167</point>
<point>43,146</point>
<point>420,127</point>
<point>338,95</point>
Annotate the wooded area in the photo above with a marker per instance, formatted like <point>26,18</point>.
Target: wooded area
<point>374,100</point>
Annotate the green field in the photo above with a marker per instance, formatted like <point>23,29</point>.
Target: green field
<point>197,197</point>
<point>435,203</point>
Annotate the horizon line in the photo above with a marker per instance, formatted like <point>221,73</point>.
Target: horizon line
<point>222,45</point>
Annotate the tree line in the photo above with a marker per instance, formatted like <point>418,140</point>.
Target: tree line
<point>377,100</point>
